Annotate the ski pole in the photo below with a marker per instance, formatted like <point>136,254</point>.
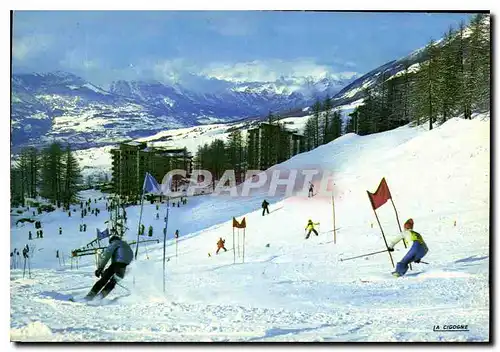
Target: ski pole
<point>363,255</point>
<point>128,291</point>
<point>24,269</point>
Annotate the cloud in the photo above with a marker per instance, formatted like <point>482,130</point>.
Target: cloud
<point>28,47</point>
<point>273,70</point>
<point>170,71</point>
<point>76,60</point>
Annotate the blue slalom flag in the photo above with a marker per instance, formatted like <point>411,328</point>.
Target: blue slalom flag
<point>150,184</point>
<point>102,235</point>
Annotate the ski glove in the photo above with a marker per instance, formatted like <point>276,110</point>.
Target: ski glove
<point>98,272</point>
<point>390,249</point>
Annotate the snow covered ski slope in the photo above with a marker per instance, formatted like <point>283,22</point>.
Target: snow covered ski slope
<point>289,288</point>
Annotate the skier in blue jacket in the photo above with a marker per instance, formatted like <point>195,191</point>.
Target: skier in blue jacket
<point>121,255</point>
<point>417,250</point>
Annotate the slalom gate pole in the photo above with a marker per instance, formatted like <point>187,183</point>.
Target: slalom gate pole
<point>140,218</point>
<point>29,268</point>
<point>62,254</point>
<point>238,235</point>
<point>334,228</point>
<point>234,249</point>
<point>244,245</point>
<point>385,241</point>
<point>165,242</point>
<point>363,255</point>
<point>399,225</point>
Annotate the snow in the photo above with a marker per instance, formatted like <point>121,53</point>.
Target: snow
<point>411,69</point>
<point>293,289</point>
<point>191,137</point>
<point>95,89</point>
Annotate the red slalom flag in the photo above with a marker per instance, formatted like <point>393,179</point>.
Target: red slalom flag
<point>240,225</point>
<point>381,195</point>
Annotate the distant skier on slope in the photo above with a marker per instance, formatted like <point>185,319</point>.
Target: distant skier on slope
<point>121,255</point>
<point>417,251</point>
<point>265,207</point>
<point>220,245</point>
<point>310,227</point>
<point>311,190</point>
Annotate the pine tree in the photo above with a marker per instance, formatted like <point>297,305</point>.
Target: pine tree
<point>327,107</point>
<point>52,166</point>
<point>427,86</point>
<point>352,123</point>
<point>336,125</point>
<point>309,133</point>
<point>71,177</point>
<point>235,154</point>
<point>316,120</point>
<point>447,77</point>
<point>479,62</point>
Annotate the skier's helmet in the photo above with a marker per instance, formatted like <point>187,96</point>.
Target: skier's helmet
<point>409,224</point>
<point>114,238</point>
<point>309,221</point>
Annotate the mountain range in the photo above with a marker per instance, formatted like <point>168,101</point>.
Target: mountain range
<point>62,106</point>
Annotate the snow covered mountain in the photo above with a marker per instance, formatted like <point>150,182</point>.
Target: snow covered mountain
<point>66,107</point>
<point>355,90</point>
<point>288,288</point>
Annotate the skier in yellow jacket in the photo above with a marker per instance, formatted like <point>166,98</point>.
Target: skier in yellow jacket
<point>310,227</point>
<point>417,250</point>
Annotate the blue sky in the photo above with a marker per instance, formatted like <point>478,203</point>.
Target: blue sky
<point>103,46</point>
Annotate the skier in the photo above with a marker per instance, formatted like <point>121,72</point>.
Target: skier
<point>30,236</point>
<point>41,234</point>
<point>176,235</point>
<point>121,255</point>
<point>60,230</point>
<point>265,206</point>
<point>417,251</point>
<point>310,227</point>
<point>84,227</point>
<point>311,190</point>
<point>220,244</point>
<point>157,216</point>
<point>69,213</point>
<point>141,230</point>
<point>150,231</point>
